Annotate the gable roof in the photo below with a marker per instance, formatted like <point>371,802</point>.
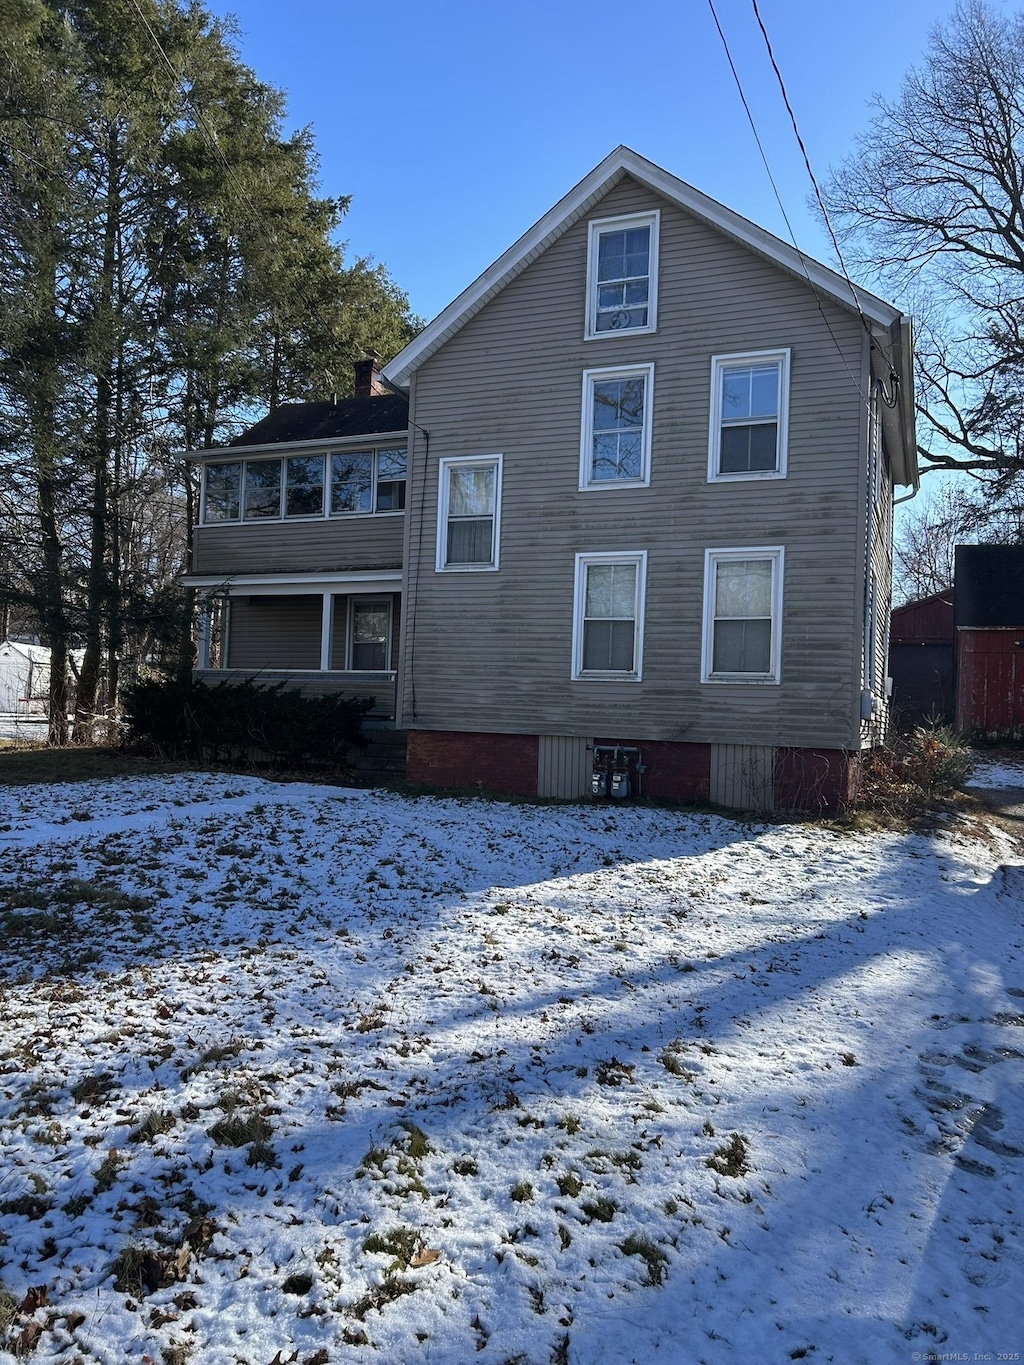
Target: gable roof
<point>882,316</point>
<point>328,421</point>
<point>39,654</point>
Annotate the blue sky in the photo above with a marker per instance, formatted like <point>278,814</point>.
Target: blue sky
<point>455,125</point>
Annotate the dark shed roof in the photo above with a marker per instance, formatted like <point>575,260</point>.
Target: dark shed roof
<point>989,587</point>
<point>929,620</point>
<point>328,421</point>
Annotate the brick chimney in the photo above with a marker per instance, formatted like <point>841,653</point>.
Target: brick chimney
<point>368,385</point>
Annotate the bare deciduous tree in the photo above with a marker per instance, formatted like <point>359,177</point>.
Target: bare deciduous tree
<point>932,205</point>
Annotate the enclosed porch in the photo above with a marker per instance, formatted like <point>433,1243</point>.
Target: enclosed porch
<point>334,636</point>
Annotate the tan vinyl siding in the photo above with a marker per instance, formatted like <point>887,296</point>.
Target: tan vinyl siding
<point>274,632</point>
<point>335,543</point>
<point>743,776</point>
<point>493,650</point>
<point>564,766</point>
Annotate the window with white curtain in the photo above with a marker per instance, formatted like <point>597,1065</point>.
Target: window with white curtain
<point>469,512</point>
<point>742,615</point>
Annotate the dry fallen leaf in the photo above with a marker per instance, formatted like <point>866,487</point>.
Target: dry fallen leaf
<point>425,1257</point>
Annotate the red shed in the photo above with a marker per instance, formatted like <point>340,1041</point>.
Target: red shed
<point>921,659</point>
<point>989,617</point>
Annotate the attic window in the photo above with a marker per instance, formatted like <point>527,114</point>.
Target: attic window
<point>622,275</point>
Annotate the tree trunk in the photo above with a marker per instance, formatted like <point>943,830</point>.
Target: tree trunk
<point>98,585</point>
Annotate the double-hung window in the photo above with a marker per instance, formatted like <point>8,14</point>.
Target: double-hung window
<point>742,615</point>
<point>608,616</point>
<point>469,512</point>
<point>749,416</point>
<point>622,275</point>
<point>615,446</point>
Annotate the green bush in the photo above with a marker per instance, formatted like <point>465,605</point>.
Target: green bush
<point>906,776</point>
<point>239,721</point>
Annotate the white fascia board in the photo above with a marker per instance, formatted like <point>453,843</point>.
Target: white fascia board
<point>293,582</point>
<point>622,161</point>
<point>283,448</point>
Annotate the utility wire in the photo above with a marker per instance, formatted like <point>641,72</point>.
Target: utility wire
<point>782,208</point>
<point>807,161</point>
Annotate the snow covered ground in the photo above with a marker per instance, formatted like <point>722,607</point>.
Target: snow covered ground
<point>993,772</point>
<point>298,1074</point>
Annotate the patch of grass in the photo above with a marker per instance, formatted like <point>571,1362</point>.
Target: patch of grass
<point>8,1309</point>
<point>240,1130</point>
<point>636,1244</point>
<point>32,1206</point>
<point>521,1192</point>
<point>465,1165</point>
<point>262,1154</point>
<point>379,1298</point>
<point>401,1243</point>
<point>22,767</point>
<point>140,1270</point>
<point>300,1283</point>
<point>218,1053</point>
<point>571,1124</point>
<point>107,1171</point>
<point>569,1185</point>
<point>418,1145</point>
<point>731,1157</point>
<point>600,1210</point>
<point>156,1122</point>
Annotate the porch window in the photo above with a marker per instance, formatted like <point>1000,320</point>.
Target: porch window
<point>222,492</point>
<point>262,489</point>
<point>352,482</point>
<point>304,486</point>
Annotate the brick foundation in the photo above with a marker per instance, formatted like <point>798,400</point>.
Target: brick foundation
<point>817,780</point>
<point>452,758</point>
<point>672,772</point>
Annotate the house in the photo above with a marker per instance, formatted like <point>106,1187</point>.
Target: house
<point>988,613</point>
<point>298,552</point>
<point>921,660</point>
<point>644,537</point>
<point>24,678</point>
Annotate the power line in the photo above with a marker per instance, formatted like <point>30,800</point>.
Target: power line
<point>807,162</point>
<point>785,215</point>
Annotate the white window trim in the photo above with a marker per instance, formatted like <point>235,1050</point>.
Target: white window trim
<point>587,483</point>
<point>712,558</point>
<point>741,360</point>
<point>463,462</point>
<point>583,563</point>
<point>598,226</point>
